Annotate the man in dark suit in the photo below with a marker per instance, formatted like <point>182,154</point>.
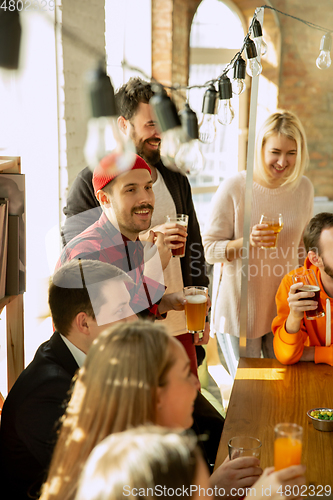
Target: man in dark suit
<point>84,296</point>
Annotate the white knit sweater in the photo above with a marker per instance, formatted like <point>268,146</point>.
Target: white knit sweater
<point>267,266</point>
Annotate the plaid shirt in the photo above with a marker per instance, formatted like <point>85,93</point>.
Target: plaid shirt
<point>102,241</point>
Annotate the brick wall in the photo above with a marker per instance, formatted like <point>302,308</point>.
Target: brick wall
<point>162,29</point>
<point>307,90</point>
<point>84,19</point>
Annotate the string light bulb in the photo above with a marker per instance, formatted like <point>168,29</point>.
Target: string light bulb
<point>189,158</point>
<point>225,113</point>
<point>253,66</point>
<point>238,84</point>
<point>258,39</point>
<point>104,136</point>
<point>168,121</point>
<point>207,126</point>
<point>324,59</point>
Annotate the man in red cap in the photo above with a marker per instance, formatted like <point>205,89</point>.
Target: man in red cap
<point>127,201</point>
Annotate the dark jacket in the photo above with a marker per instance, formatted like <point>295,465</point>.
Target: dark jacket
<point>30,416</point>
<point>81,198</point>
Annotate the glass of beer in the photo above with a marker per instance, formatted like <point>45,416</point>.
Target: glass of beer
<point>310,282</point>
<point>181,220</point>
<point>287,445</point>
<point>275,223</point>
<point>195,308</point>
<point>244,446</point>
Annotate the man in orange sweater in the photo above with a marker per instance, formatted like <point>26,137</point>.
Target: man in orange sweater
<point>295,337</point>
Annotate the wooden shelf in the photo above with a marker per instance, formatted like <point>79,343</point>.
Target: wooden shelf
<point>14,303</point>
<point>5,300</point>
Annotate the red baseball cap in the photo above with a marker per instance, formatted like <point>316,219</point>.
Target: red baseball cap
<point>107,170</point>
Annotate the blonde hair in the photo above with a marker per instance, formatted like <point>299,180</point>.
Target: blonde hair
<point>146,457</point>
<point>287,124</point>
<point>115,390</point>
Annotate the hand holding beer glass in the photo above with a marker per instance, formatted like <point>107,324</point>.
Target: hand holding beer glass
<point>274,222</point>
<point>196,308</point>
<point>311,286</point>
<point>176,232</point>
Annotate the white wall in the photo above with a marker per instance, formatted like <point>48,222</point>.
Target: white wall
<point>128,36</point>
<point>28,100</point>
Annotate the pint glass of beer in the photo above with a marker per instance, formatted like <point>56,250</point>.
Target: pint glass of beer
<point>310,282</point>
<point>181,220</point>
<point>275,223</point>
<point>195,308</point>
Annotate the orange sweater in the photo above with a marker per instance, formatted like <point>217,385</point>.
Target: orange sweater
<point>288,347</point>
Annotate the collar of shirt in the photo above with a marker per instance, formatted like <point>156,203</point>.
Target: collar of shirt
<point>77,354</point>
<point>112,230</point>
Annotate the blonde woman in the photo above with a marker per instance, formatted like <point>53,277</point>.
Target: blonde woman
<point>150,460</point>
<point>279,186</point>
<point>132,375</point>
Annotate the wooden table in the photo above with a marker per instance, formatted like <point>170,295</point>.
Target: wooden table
<point>266,393</point>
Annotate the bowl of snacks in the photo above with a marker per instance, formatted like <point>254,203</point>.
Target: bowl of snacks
<point>322,418</point>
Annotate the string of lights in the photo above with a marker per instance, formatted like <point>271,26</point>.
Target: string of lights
<point>181,132</point>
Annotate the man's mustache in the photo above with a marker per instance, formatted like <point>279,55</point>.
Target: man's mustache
<point>153,140</point>
<point>142,207</point>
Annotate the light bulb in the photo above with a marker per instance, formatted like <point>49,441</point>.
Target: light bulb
<point>253,66</point>
<point>258,39</point>
<point>238,86</point>
<point>324,59</point>
<point>189,158</point>
<point>207,126</point>
<point>225,113</point>
<point>104,138</point>
<point>207,129</point>
<point>172,139</point>
<point>261,45</point>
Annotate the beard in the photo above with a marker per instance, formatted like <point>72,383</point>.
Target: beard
<point>150,156</point>
<point>327,269</point>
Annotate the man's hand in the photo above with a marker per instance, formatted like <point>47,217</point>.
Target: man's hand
<point>172,302</point>
<point>298,306</point>
<point>174,234</point>
<point>205,336</point>
<point>156,238</point>
<point>241,472</point>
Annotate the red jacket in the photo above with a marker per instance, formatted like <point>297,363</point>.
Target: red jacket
<point>288,347</point>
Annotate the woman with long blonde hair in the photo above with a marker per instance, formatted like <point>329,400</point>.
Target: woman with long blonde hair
<point>279,187</point>
<point>134,374</point>
<point>115,389</point>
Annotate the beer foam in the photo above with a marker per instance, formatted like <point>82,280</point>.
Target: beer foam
<point>182,223</point>
<point>309,288</point>
<point>196,299</point>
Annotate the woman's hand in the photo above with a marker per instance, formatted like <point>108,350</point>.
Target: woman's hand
<point>279,485</point>
<point>235,475</point>
<point>261,238</point>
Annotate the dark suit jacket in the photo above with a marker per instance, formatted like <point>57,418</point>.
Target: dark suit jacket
<point>29,419</point>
